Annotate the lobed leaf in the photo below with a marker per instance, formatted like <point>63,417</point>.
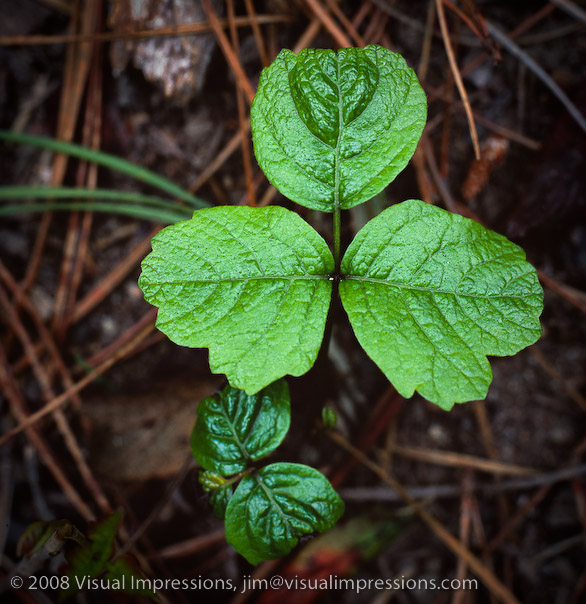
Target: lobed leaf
<point>272,508</point>
<point>333,129</point>
<point>234,428</point>
<point>429,294</point>
<point>250,284</point>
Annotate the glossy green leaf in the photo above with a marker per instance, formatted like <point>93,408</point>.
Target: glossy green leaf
<point>430,294</point>
<point>219,489</point>
<point>272,508</point>
<point>234,428</point>
<point>250,284</point>
<point>220,498</point>
<point>333,129</point>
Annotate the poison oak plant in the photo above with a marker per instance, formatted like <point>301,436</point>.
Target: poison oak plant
<point>271,507</point>
<point>429,294</point>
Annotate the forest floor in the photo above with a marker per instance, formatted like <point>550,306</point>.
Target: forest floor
<point>506,477</point>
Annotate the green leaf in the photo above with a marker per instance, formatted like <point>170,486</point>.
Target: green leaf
<point>272,508</point>
<point>430,294</point>
<point>329,417</point>
<point>250,284</point>
<point>124,575</point>
<point>219,489</point>
<point>92,559</point>
<point>332,130</point>
<point>220,498</point>
<point>211,481</point>
<point>234,428</point>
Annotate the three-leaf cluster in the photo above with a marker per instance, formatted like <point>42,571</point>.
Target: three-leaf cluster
<point>428,294</point>
<point>275,505</point>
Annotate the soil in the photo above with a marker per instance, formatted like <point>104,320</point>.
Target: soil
<point>133,422</point>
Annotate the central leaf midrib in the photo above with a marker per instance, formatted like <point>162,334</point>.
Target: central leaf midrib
<point>273,502</point>
<point>338,141</point>
<point>406,286</point>
<point>232,427</point>
<point>252,424</point>
<point>247,279</point>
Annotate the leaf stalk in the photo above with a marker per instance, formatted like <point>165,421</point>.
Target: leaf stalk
<point>337,223</point>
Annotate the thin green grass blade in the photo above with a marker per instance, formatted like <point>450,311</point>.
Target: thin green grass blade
<point>13,193</point>
<point>152,213</point>
<point>108,161</point>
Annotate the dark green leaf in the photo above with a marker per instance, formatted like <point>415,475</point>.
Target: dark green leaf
<point>220,499</point>
<point>430,294</point>
<point>234,428</point>
<point>333,129</point>
<point>90,559</point>
<point>272,508</point>
<point>219,489</point>
<point>124,575</point>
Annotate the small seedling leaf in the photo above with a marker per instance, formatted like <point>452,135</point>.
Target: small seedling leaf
<point>429,294</point>
<point>272,508</point>
<point>210,481</point>
<point>90,559</point>
<point>93,559</point>
<point>333,129</point>
<point>234,428</point>
<point>250,284</point>
<point>329,417</point>
<point>220,499</point>
<point>124,575</point>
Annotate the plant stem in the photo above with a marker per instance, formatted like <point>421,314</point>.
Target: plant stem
<point>337,221</point>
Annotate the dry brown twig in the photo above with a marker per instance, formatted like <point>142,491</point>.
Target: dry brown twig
<point>242,117</point>
<point>461,460</point>
<point>533,66</point>
<point>78,235</point>
<point>457,76</point>
<point>64,398</point>
<point>19,410</point>
<point>188,29</point>
<point>475,565</point>
<point>229,54</point>
<point>45,381</point>
<point>329,24</point>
